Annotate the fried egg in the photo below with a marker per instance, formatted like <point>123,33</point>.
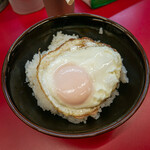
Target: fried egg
<point>79,76</point>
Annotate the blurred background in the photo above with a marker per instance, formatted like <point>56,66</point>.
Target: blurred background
<point>18,15</point>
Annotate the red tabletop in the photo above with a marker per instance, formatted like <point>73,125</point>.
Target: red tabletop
<point>132,135</point>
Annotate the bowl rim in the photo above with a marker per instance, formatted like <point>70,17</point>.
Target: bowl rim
<point>78,135</point>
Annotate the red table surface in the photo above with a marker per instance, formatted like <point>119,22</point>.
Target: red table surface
<point>132,135</point>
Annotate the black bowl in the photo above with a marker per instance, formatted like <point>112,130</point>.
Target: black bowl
<point>24,105</point>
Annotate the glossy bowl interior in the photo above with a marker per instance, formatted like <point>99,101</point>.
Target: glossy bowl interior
<point>19,95</point>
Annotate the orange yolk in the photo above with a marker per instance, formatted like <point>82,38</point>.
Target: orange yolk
<point>73,84</point>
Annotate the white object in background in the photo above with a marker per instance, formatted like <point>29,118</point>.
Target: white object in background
<point>87,2</point>
<point>26,6</point>
<point>70,2</point>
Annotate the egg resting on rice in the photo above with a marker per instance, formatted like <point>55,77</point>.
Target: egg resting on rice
<point>100,65</point>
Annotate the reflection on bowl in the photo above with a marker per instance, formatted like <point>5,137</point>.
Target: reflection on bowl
<point>19,95</point>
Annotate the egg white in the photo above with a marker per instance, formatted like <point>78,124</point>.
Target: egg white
<point>101,62</point>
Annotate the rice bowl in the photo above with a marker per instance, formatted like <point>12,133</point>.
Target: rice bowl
<point>19,96</point>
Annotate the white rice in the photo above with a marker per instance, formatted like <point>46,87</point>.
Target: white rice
<point>42,101</point>
<point>101,30</point>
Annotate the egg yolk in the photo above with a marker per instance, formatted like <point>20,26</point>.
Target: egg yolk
<point>73,84</point>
